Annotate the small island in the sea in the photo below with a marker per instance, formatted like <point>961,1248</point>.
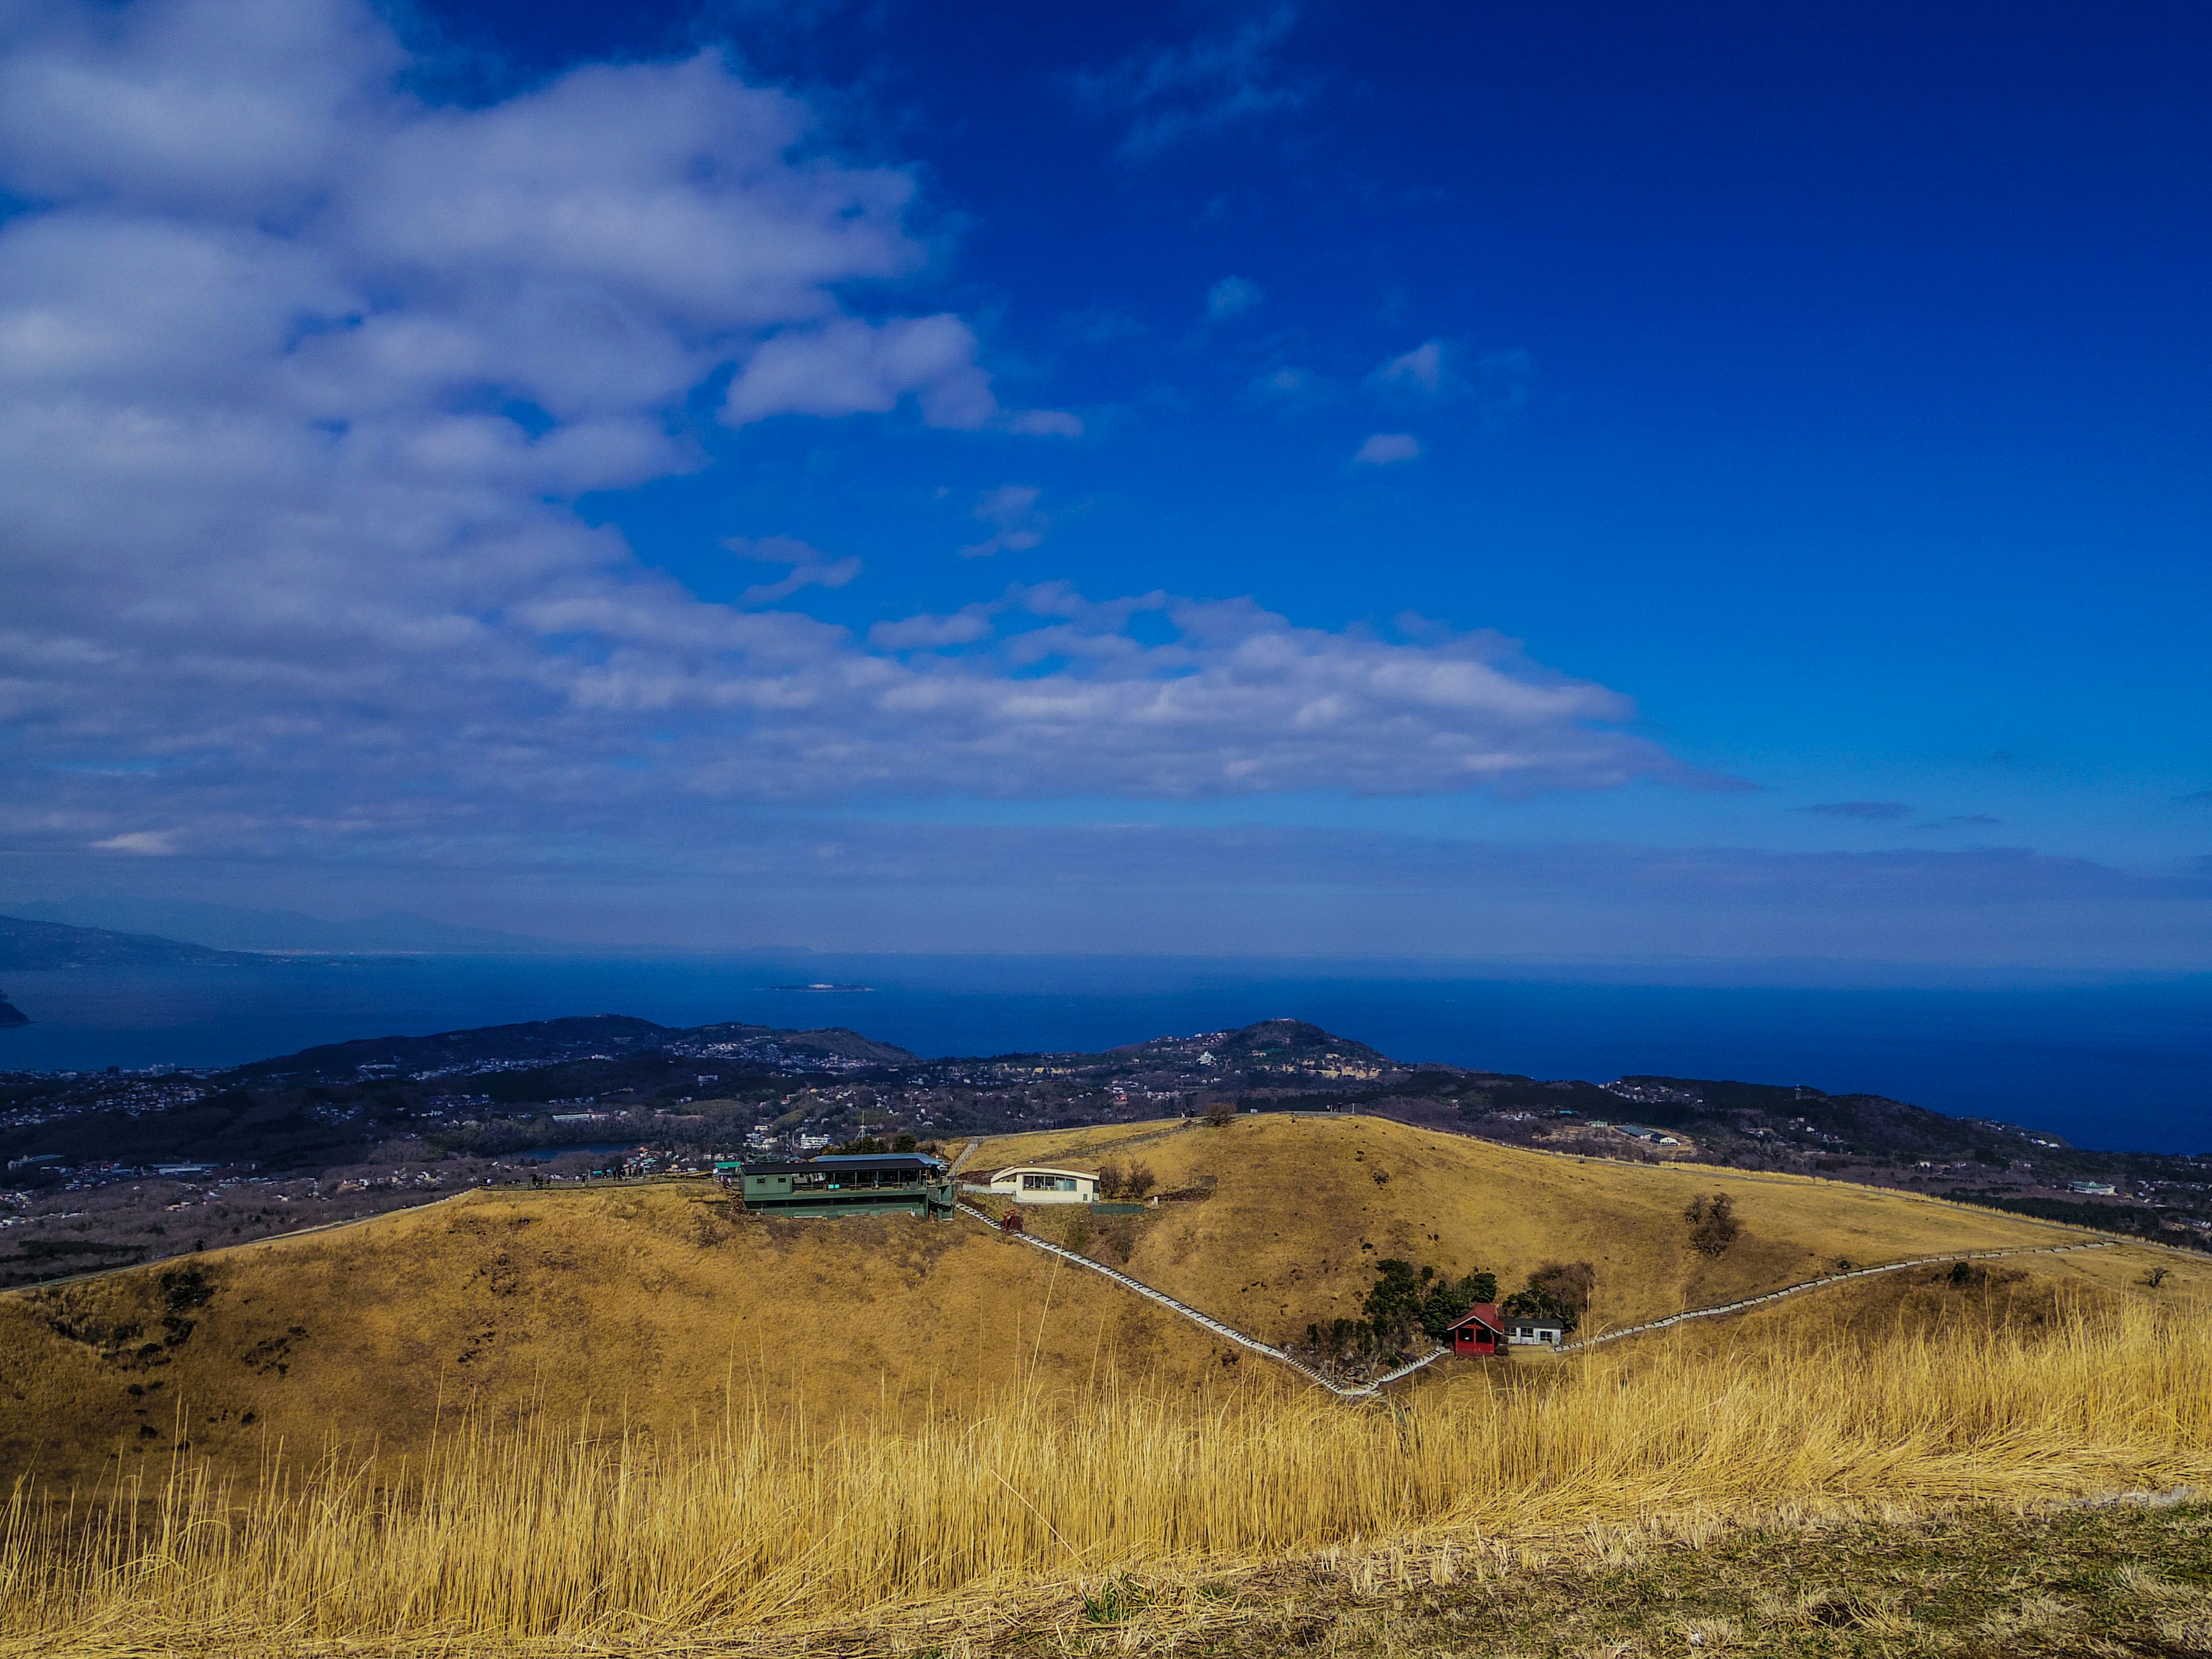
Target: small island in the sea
<point>10,1014</point>
<point>819,986</point>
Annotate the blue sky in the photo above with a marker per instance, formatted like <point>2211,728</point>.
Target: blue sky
<point>1723,483</point>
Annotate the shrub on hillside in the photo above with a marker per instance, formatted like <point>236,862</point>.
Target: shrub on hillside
<point>1115,1241</point>
<point>1713,1226</point>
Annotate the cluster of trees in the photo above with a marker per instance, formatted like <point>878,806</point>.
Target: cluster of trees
<point>1403,1300</point>
<point>1130,1181</point>
<point>1407,1303</point>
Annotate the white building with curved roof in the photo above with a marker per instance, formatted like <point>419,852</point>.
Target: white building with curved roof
<point>1035,1184</point>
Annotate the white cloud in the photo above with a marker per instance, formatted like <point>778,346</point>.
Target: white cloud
<point>144,843</point>
<point>1496,382</point>
<point>1015,525</point>
<point>295,403</point>
<point>809,567</point>
<point>1206,85</point>
<point>1232,296</point>
<point>848,367</point>
<point>1381,448</point>
<point>1046,423</point>
<point>1290,382</point>
<point>963,627</point>
<point>1421,368</point>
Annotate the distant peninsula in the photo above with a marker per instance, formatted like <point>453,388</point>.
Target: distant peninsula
<point>10,1014</point>
<point>37,946</point>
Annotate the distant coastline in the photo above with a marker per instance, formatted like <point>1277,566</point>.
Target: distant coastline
<point>818,987</point>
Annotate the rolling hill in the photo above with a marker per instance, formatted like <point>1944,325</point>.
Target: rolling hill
<point>1301,1208</point>
<point>624,1418</point>
<point>649,1306</point>
<point>658,1307</point>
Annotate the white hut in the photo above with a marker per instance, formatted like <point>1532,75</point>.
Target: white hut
<point>1033,1183</point>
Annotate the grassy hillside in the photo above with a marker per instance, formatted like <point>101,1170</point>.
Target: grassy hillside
<point>657,1308</point>
<point>767,1539</point>
<point>1303,1208</point>
<point>651,1306</point>
<point>841,1422</point>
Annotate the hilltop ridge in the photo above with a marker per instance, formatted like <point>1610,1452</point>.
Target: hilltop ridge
<point>383,1121</point>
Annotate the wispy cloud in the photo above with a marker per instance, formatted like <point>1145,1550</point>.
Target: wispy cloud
<point>809,567</point>
<point>1422,368</point>
<point>1017,525</point>
<point>1232,296</point>
<point>1290,387</point>
<point>1872,810</point>
<point>1172,95</point>
<point>1439,371</point>
<point>1383,448</point>
<point>143,843</point>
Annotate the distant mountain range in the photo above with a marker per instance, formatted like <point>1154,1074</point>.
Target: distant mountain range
<point>222,929</point>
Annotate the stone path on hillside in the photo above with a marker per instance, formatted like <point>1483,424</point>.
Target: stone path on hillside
<point>1371,1390</point>
<point>1832,1279</point>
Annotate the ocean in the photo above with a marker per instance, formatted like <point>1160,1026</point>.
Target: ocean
<point>2120,1066</point>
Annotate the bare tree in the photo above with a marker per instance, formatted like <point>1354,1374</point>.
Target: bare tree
<point>1569,1282</point>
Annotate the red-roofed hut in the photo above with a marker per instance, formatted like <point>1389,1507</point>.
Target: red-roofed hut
<point>1480,1332</point>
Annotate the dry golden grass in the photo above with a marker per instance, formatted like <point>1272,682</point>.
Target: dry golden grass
<point>1298,1218</point>
<point>500,1540</point>
<point>648,1306</point>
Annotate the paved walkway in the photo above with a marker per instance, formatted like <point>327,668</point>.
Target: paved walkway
<point>1226,1332</point>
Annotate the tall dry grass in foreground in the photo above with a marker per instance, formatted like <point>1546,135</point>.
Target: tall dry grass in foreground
<point>494,1538</point>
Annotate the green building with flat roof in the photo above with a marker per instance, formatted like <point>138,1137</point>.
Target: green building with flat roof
<point>898,1183</point>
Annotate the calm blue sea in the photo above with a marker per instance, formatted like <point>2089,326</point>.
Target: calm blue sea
<point>2117,1065</point>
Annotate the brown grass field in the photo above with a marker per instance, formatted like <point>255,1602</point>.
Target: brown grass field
<point>622,1420</point>
<point>649,1307</point>
<point>761,1537</point>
